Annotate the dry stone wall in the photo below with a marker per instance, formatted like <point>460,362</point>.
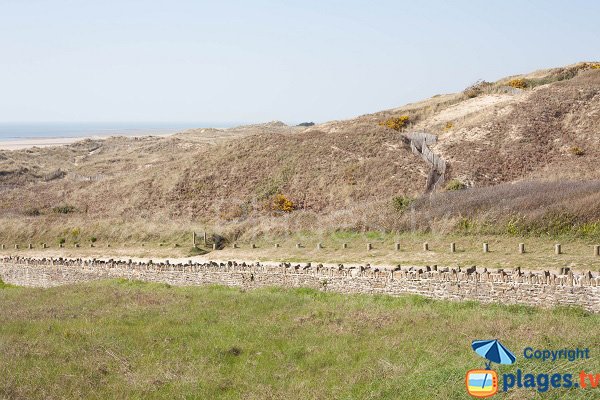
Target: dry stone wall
<point>543,289</point>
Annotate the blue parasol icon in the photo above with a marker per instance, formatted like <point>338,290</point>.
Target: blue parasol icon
<point>493,351</point>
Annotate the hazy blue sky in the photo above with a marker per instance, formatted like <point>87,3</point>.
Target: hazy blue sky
<point>219,61</point>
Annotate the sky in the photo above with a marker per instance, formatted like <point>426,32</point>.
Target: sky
<point>254,61</point>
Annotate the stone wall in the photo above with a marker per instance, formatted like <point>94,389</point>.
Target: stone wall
<point>543,289</point>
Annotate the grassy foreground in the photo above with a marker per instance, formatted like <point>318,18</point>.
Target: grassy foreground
<point>121,339</point>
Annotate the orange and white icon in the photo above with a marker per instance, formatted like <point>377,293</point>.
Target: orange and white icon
<point>482,383</point>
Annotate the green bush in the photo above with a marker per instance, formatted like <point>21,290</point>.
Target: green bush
<point>65,209</point>
<point>93,239</point>
<point>401,203</point>
<point>455,184</point>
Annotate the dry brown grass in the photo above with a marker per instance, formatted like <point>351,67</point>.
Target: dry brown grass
<point>340,175</point>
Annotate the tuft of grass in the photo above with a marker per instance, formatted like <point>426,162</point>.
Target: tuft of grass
<point>196,251</point>
<point>5,285</point>
<point>477,89</point>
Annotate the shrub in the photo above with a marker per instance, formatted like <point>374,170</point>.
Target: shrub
<point>75,232</point>
<point>577,151</point>
<point>282,203</point>
<point>93,239</point>
<point>466,225</point>
<point>455,184</point>
<point>65,209</point>
<point>396,123</point>
<point>306,124</point>
<point>476,89</point>
<point>62,240</point>
<point>232,212</point>
<point>449,125</point>
<point>401,203</point>
<point>518,83</point>
<point>32,212</point>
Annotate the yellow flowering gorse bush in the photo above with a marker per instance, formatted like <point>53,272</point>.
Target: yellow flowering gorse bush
<point>396,123</point>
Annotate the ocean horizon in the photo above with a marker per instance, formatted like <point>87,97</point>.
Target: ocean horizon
<point>17,131</point>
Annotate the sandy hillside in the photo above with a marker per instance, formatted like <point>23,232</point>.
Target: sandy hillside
<point>337,175</point>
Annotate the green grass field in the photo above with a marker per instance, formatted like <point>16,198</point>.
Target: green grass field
<point>121,339</point>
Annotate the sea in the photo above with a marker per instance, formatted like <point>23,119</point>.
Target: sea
<point>17,131</point>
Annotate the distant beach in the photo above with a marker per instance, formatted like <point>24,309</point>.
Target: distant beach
<point>15,136</point>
